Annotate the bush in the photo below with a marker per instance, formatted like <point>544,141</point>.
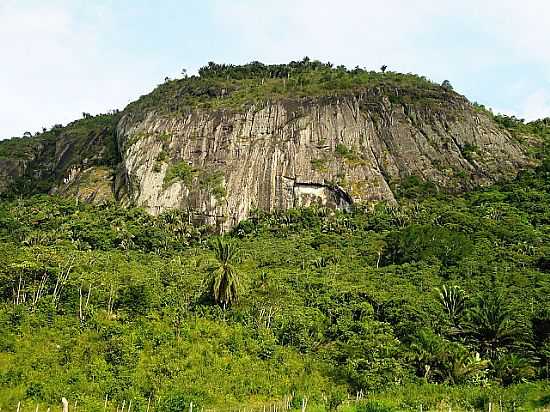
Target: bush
<point>180,171</point>
<point>421,242</point>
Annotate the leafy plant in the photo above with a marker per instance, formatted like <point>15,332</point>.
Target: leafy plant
<point>453,300</point>
<point>491,324</point>
<point>511,368</point>
<point>224,285</point>
<point>179,171</point>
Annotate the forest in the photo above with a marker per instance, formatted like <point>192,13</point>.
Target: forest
<point>441,302</point>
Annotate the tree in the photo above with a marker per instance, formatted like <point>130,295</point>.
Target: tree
<point>491,325</point>
<point>224,283</point>
<point>453,300</point>
<point>511,368</point>
<point>439,360</point>
<point>383,68</point>
<point>447,85</point>
<point>416,242</point>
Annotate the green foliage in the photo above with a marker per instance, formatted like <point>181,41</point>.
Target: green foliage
<point>368,357</point>
<point>180,171</point>
<point>162,157</point>
<point>76,133</point>
<point>537,128</point>
<point>413,187</point>
<point>512,368</point>
<point>71,225</point>
<point>375,406</point>
<point>440,301</point>
<point>491,324</point>
<point>453,300</point>
<point>468,151</point>
<point>447,85</point>
<point>421,242</point>
<point>441,360</point>
<point>343,150</point>
<point>90,140</point>
<point>236,87</point>
<point>437,397</point>
<point>212,182</point>
<point>224,284</point>
<point>319,164</point>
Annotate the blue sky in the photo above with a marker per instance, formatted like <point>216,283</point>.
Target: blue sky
<point>60,58</point>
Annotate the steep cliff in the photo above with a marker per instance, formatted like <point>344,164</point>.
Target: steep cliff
<point>220,164</point>
<point>237,138</point>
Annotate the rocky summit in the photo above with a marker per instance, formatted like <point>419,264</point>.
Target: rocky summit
<point>239,138</point>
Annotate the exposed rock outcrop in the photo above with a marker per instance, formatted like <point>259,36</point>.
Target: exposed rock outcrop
<point>10,169</point>
<point>219,147</point>
<point>77,160</point>
<point>335,151</point>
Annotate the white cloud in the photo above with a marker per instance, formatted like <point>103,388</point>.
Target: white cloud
<point>470,41</point>
<point>347,27</point>
<point>54,67</point>
<point>61,57</point>
<point>341,32</point>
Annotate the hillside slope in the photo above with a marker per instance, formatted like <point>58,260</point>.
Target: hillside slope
<point>76,160</point>
<point>103,301</point>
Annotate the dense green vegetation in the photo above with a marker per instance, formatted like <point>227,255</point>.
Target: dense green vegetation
<point>49,154</point>
<point>209,180</point>
<point>25,147</point>
<point>236,87</point>
<point>442,301</point>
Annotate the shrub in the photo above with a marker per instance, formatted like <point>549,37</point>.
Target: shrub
<point>420,242</point>
<point>180,171</point>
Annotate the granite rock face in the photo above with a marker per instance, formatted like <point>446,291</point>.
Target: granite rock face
<point>221,164</point>
<point>335,151</point>
<point>10,169</point>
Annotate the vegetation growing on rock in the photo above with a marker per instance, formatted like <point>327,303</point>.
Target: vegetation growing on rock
<point>237,86</point>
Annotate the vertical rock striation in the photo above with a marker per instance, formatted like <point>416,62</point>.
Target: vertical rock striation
<point>221,164</point>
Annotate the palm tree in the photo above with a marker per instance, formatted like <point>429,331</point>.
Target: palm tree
<point>439,359</point>
<point>224,284</point>
<point>453,300</point>
<point>512,368</point>
<point>491,325</point>
<point>465,367</point>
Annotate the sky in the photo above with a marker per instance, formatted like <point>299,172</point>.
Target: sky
<point>60,58</point>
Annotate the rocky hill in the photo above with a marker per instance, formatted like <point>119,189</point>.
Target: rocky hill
<point>237,138</point>
<point>430,301</point>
